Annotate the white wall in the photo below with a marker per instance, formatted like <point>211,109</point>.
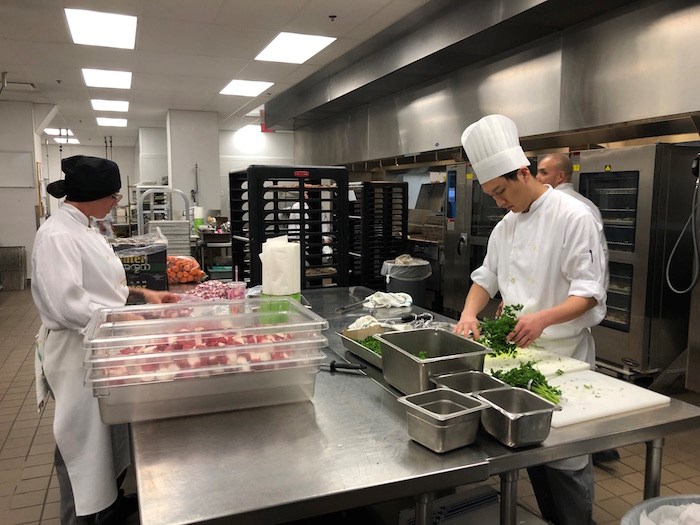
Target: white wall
<point>19,221</point>
<point>152,156</point>
<point>193,139</point>
<point>240,150</point>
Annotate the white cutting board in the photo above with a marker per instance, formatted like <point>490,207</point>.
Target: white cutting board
<point>548,363</point>
<point>591,395</point>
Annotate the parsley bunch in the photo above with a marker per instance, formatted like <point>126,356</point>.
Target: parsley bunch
<point>372,344</point>
<point>527,376</point>
<point>495,331</point>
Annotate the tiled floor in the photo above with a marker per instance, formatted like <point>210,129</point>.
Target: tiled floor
<point>29,488</point>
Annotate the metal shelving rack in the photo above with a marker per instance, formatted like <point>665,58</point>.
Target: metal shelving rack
<point>269,201</point>
<point>380,231</point>
<point>157,207</point>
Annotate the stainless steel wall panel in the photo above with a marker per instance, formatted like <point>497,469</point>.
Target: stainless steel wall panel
<point>637,65</point>
<point>337,141</point>
<point>524,85</point>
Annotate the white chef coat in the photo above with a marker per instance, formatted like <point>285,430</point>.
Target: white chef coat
<point>541,257</point>
<point>74,272</point>
<point>568,188</point>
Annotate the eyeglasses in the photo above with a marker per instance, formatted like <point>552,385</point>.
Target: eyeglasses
<point>116,196</point>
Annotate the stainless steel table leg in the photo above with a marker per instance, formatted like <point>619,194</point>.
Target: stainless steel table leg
<point>652,470</point>
<point>509,497</point>
<point>424,508</point>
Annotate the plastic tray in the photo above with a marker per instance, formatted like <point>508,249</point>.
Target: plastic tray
<point>198,326</point>
<point>201,395</point>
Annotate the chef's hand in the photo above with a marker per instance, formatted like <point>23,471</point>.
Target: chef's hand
<point>468,324</point>
<point>528,328</point>
<point>154,297</point>
<point>499,310</point>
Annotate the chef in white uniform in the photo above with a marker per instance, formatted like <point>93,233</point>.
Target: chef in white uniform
<point>547,254</point>
<point>74,272</point>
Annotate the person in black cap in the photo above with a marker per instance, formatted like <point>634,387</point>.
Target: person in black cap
<point>75,272</point>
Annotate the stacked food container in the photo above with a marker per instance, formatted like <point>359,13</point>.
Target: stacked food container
<point>158,361</point>
<point>448,417</point>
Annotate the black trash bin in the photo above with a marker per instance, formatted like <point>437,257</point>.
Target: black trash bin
<point>409,275</point>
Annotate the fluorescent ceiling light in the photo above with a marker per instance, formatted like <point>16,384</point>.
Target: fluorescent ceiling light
<point>110,105</point>
<point>245,88</point>
<point>107,79</point>
<point>93,28</point>
<point>66,141</point>
<point>115,122</point>
<point>57,131</point>
<point>294,48</point>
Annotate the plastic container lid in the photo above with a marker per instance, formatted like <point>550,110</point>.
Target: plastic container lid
<point>199,326</point>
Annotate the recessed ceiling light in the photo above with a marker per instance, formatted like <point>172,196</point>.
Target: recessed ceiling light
<point>294,48</point>
<point>93,28</point>
<point>245,88</point>
<point>110,105</point>
<point>114,122</point>
<point>57,131</point>
<point>107,79</point>
<point>63,140</point>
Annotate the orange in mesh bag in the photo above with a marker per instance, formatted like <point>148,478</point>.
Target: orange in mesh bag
<point>183,269</point>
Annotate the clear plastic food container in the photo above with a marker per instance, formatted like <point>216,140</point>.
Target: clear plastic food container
<point>155,361</point>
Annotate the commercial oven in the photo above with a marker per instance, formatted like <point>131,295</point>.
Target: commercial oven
<point>470,216</point>
<point>644,194</point>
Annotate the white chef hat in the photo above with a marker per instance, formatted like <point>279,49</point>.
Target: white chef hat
<point>493,147</point>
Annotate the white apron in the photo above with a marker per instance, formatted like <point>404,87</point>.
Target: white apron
<point>94,453</point>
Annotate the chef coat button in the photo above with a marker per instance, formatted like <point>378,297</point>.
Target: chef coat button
<point>512,280</point>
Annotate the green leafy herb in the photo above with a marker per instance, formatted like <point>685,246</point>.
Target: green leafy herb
<point>372,344</point>
<point>527,376</point>
<point>559,372</point>
<point>422,355</point>
<point>495,331</point>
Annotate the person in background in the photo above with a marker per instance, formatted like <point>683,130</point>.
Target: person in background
<point>556,170</point>
<point>547,254</point>
<point>75,272</point>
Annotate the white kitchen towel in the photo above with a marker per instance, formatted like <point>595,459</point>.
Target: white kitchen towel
<point>387,300</point>
<point>281,266</point>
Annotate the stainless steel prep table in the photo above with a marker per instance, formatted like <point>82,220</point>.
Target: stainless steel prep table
<point>348,447</point>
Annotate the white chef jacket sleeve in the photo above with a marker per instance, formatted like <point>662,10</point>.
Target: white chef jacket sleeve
<point>58,279</point>
<point>486,275</point>
<point>583,260</point>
